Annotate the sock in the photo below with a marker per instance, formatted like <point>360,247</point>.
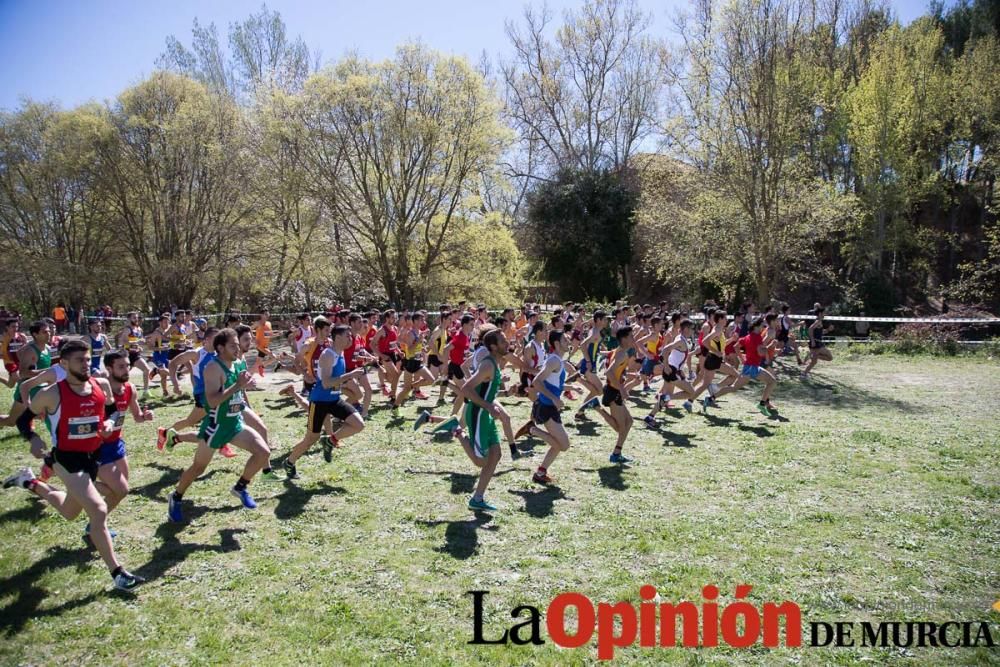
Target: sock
<point>477,496</point>
<point>31,484</point>
<point>241,484</point>
<point>178,496</point>
<point>542,469</point>
<point>266,470</point>
<point>118,570</point>
<point>334,441</point>
<point>618,450</point>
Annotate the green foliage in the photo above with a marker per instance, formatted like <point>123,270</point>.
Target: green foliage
<point>581,228</point>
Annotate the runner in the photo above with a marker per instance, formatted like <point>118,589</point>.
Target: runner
<point>224,385</point>
<point>12,341</point>
<point>130,339</point>
<point>385,342</point>
<point>619,418</point>
<point>481,411</point>
<point>549,384</point>
<point>591,347</point>
<point>157,341</point>
<point>675,355</point>
<point>32,359</point>
<point>98,342</point>
<point>415,374</point>
<point>817,348</point>
<point>75,410</point>
<point>754,351</point>
<point>785,336</point>
<point>263,334</point>
<point>326,400</point>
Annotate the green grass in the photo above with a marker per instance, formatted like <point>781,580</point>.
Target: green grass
<point>877,499</point>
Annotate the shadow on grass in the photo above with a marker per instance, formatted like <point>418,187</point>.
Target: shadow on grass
<point>32,512</point>
<point>461,483</point>
<point>293,501</point>
<point>461,538</point>
<point>168,479</point>
<point>832,393</point>
<point>171,551</point>
<point>610,476</point>
<point>540,504</point>
<point>29,596</point>
<point>672,439</point>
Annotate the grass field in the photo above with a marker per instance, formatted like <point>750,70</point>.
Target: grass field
<point>877,497</point>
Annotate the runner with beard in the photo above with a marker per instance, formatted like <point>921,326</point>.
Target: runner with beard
<point>75,410</point>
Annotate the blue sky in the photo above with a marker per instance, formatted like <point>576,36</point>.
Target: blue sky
<point>71,52</point>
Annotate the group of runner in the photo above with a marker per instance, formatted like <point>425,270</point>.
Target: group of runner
<point>85,396</point>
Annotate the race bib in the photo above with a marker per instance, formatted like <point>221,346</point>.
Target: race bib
<point>82,428</point>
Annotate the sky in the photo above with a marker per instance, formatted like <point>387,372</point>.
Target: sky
<point>71,52</point>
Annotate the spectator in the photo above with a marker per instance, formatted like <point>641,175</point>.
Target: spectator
<point>72,315</point>
<point>59,315</point>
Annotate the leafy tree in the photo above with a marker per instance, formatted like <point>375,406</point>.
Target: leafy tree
<point>581,224</point>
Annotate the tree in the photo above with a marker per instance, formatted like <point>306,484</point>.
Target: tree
<point>53,223</point>
<point>401,146</point>
<point>581,226</point>
<point>174,175</point>
<point>589,99</point>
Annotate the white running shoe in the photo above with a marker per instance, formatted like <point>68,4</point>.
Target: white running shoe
<point>20,478</point>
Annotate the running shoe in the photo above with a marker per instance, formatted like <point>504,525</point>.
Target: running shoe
<point>327,444</point>
<point>688,406</point>
<point>385,390</point>
<point>174,509</point>
<point>619,458</point>
<point>650,422</point>
<point>46,472</point>
<point>421,395</point>
<point>245,498</point>
<point>570,395</point>
<point>422,419</point>
<point>647,389</point>
<point>514,453</point>
<point>227,451</point>
<point>161,438</point>
<point>144,394</point>
<point>86,533</point>
<point>271,477</point>
<point>448,425</point>
<point>126,581</point>
<point>763,409</point>
<point>593,403</point>
<point>541,478</point>
<point>481,505</point>
<point>771,408</point>
<point>171,439</point>
<point>20,478</point>
<point>704,404</point>
<point>290,471</point>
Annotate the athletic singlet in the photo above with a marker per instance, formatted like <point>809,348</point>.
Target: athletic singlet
<point>537,354</point>
<point>263,335</point>
<point>653,346</point>
<point>413,350</point>
<point>302,335</point>
<point>480,353</point>
<point>785,323</point>
<point>590,352</point>
<point>232,408</point>
<point>676,358</point>
<point>731,341</point>
<point>96,351</point>
<point>319,393</point>
<point>133,340</point>
<point>716,345</point>
<point>389,337</point>
<point>178,337</point>
<point>556,388</point>
<point>9,348</point>
<point>158,346</point>
<point>75,423</point>
<point>122,401</point>
<point>617,375</point>
<point>198,369</point>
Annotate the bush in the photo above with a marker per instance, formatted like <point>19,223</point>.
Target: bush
<point>913,338</point>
